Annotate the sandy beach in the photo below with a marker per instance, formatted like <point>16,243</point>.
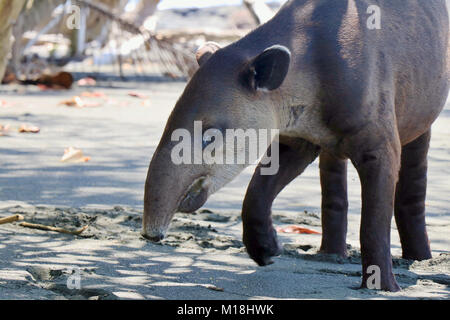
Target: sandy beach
<point>203,256</point>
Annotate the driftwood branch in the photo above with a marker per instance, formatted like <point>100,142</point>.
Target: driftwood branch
<point>50,228</point>
<point>183,60</point>
<point>98,7</point>
<point>13,218</point>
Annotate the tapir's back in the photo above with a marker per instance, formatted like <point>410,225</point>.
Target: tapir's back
<point>349,51</point>
<point>365,47</point>
<point>415,38</point>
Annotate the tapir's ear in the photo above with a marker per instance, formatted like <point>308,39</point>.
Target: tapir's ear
<point>206,51</point>
<point>269,69</point>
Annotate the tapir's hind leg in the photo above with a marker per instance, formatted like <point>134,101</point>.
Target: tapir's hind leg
<point>259,235</point>
<point>333,178</point>
<point>410,199</point>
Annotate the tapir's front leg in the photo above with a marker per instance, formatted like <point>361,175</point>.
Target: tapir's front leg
<point>259,235</point>
<point>378,168</point>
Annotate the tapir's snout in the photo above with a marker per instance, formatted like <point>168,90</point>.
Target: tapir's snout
<point>153,237</point>
<point>169,189</point>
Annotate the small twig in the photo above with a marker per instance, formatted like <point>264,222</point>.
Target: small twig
<point>214,288</point>
<point>14,218</point>
<point>50,228</point>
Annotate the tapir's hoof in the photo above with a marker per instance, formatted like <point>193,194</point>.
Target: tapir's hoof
<point>262,248</point>
<point>393,288</point>
<point>153,238</point>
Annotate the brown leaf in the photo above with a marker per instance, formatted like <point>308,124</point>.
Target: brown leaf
<point>4,130</point>
<point>5,104</point>
<point>297,230</point>
<point>28,129</point>
<point>75,101</point>
<point>95,94</point>
<point>87,82</point>
<point>74,155</point>
<point>137,95</point>
<point>43,87</point>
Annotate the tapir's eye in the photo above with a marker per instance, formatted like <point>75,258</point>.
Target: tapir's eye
<point>212,135</point>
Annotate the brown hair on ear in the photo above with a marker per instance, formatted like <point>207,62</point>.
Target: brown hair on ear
<point>206,51</point>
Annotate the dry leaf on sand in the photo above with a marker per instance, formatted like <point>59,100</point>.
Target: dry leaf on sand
<point>5,104</point>
<point>297,229</point>
<point>137,95</point>
<point>86,82</point>
<point>77,102</point>
<point>43,87</point>
<point>74,155</point>
<point>4,130</point>
<point>24,128</point>
<point>94,94</point>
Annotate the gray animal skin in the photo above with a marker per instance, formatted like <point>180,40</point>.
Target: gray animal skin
<point>335,88</point>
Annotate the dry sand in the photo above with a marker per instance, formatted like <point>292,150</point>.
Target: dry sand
<point>203,256</point>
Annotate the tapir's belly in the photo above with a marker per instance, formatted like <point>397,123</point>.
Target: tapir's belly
<point>416,111</point>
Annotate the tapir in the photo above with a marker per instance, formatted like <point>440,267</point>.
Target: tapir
<point>337,86</point>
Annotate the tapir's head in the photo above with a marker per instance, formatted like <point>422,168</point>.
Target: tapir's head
<point>233,89</point>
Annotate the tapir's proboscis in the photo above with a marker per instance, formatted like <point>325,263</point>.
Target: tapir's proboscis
<point>337,89</point>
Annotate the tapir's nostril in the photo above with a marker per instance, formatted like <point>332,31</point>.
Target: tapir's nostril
<point>153,238</point>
